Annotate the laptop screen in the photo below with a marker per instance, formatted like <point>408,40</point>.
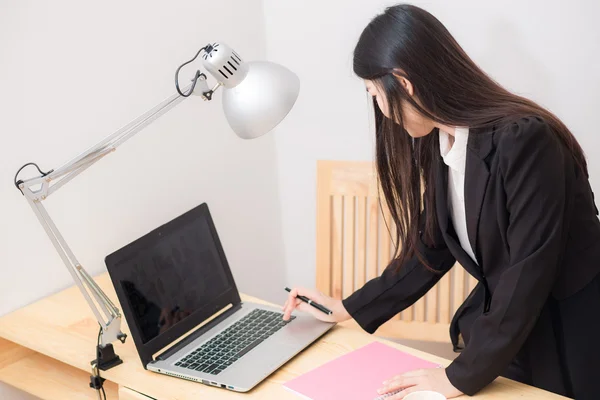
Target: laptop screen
<point>171,276</point>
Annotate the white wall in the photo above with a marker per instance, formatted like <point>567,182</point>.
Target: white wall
<point>72,72</point>
<point>547,50</point>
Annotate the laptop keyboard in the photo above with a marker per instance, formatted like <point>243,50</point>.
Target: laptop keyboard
<point>230,345</point>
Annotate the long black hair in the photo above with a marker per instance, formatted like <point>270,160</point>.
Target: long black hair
<point>451,89</point>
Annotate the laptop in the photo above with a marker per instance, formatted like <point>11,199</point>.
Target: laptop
<point>185,314</point>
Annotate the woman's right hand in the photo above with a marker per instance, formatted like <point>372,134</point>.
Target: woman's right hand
<point>339,313</point>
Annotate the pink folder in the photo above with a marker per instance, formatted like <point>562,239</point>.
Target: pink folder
<point>356,375</point>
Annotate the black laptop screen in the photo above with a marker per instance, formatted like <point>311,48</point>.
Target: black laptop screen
<point>176,272</point>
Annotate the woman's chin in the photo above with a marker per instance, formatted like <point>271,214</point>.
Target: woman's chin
<point>418,133</point>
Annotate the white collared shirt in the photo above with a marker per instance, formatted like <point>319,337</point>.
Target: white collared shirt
<point>455,157</point>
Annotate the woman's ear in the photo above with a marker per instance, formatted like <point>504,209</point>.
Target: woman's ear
<point>406,84</point>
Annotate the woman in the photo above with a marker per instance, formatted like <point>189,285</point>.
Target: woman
<point>475,174</point>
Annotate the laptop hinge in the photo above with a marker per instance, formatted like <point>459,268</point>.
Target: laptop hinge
<point>199,332</point>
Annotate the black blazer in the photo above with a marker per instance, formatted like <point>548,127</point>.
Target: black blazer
<point>533,225</point>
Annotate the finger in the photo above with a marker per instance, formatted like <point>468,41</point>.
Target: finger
<point>294,305</point>
<point>284,305</point>
<point>403,393</point>
<point>292,297</point>
<point>291,304</point>
<point>395,378</point>
<point>302,306</point>
<point>314,295</point>
<point>416,372</point>
<point>288,301</point>
<point>302,291</point>
<point>314,312</point>
<point>287,313</point>
<point>293,300</point>
<point>398,384</point>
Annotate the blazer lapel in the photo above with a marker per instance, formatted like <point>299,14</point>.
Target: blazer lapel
<point>446,226</point>
<point>477,175</point>
<point>441,195</point>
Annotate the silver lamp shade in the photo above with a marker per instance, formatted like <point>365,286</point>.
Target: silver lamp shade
<point>257,95</point>
<point>262,100</point>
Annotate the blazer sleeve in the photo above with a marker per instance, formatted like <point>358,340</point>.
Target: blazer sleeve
<point>383,297</point>
<point>536,172</point>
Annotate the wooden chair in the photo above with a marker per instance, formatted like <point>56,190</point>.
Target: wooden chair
<point>354,246</point>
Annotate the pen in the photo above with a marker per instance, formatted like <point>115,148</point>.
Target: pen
<point>312,303</point>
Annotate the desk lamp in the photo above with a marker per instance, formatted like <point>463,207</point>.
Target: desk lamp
<point>256,97</point>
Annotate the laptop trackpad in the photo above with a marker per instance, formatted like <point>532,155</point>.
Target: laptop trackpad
<point>259,363</point>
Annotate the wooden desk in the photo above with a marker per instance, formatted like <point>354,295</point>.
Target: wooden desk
<point>47,346</point>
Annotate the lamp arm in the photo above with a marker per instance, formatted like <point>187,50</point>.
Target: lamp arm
<point>111,142</point>
<point>37,189</point>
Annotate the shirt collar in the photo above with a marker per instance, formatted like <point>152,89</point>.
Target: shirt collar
<point>454,155</point>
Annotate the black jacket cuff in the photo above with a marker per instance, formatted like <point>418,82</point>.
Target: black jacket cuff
<point>461,381</point>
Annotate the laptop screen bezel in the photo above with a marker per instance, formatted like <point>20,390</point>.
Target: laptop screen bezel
<point>116,271</point>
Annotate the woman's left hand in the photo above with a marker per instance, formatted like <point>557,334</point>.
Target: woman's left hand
<point>434,379</point>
